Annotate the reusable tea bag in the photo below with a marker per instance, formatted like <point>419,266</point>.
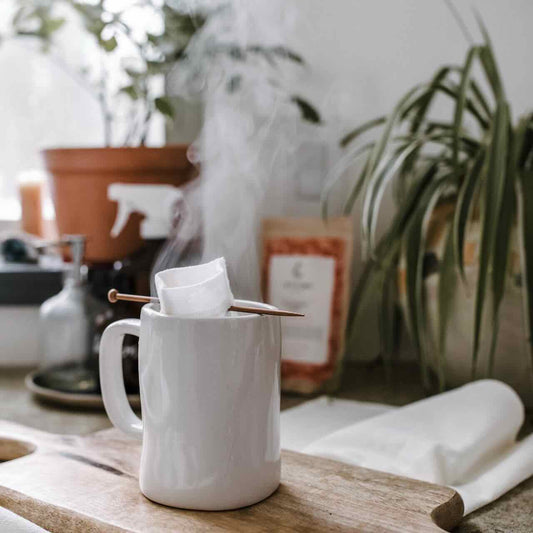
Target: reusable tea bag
<point>195,291</point>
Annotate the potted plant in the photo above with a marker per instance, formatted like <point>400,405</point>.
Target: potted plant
<point>123,81</point>
<point>132,61</point>
<point>459,247</point>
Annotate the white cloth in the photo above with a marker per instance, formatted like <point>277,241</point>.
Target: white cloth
<point>13,523</point>
<point>312,420</point>
<point>465,438</point>
<point>195,291</point>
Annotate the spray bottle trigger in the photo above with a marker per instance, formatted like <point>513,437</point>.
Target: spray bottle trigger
<point>123,213</point>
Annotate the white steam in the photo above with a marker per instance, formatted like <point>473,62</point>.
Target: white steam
<point>251,128</point>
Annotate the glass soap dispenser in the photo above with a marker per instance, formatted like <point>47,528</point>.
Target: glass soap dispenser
<point>68,319</point>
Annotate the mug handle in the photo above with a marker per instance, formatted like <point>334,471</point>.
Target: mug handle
<point>111,377</point>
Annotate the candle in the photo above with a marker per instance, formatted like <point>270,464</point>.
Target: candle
<point>30,188</point>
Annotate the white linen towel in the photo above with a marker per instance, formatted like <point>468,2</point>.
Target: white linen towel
<point>195,291</point>
<point>465,438</point>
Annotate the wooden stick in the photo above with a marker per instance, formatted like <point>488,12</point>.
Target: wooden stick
<point>113,295</point>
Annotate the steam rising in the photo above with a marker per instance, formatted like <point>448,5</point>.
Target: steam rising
<point>251,126</point>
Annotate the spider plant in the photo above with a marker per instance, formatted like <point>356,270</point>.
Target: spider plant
<point>478,160</point>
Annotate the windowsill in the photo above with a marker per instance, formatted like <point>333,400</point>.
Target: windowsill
<point>7,225</point>
<point>10,215</point>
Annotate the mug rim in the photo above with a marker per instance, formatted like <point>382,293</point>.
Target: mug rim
<point>150,310</point>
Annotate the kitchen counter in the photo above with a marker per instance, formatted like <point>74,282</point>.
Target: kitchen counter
<point>511,513</point>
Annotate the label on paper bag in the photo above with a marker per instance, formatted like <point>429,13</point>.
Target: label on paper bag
<point>304,283</point>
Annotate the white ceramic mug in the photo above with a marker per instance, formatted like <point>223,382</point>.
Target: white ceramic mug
<point>210,400</point>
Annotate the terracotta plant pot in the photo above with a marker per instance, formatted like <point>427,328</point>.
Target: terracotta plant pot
<point>81,177</point>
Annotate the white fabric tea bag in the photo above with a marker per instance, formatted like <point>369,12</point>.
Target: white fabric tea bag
<point>195,291</point>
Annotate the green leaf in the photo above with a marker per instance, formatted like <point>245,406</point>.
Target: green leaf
<point>108,44</point>
<point>478,93</point>
<point>53,24</point>
<point>131,91</point>
<point>452,91</point>
<point>307,111</point>
<point>164,106</point>
<point>376,189</point>
<point>488,61</point>
<point>156,67</point>
<point>354,134</point>
<point>422,106</point>
<point>446,297</point>
<point>522,152</point>
<point>383,175</point>
<point>494,188</point>
<point>500,257</point>
<point>407,208</point>
<point>287,53</point>
<point>153,38</point>
<point>369,285</point>
<point>387,250</point>
<point>462,209</point>
<point>415,247</point>
<point>389,125</point>
<point>427,98</point>
<point>525,195</point>
<point>461,101</point>
<point>358,186</point>
<point>337,173</point>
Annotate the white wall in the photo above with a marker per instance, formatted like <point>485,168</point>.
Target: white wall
<point>366,53</point>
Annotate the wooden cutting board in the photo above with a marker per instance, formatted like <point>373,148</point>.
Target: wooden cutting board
<point>89,484</point>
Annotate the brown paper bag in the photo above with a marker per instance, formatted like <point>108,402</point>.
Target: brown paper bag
<point>306,268</point>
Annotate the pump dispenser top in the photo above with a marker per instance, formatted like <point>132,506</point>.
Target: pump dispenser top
<point>155,202</point>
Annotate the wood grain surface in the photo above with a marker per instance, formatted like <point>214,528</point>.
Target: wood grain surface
<point>89,484</point>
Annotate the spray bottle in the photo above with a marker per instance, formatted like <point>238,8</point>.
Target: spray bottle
<point>69,319</point>
<point>157,203</point>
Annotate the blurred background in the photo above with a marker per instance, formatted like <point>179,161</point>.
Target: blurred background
<point>231,114</point>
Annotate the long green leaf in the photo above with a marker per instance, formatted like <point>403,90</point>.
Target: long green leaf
<point>376,188</point>
<point>427,99</point>
<point>423,106</point>
<point>338,172</point>
<point>525,194</point>
<point>488,60</point>
<point>480,97</point>
<point>387,316</point>
<point>389,125</point>
<point>478,100</point>
<point>494,188</point>
<point>461,101</point>
<point>369,284</point>
<point>356,189</point>
<point>446,297</point>
<point>523,151</point>
<point>377,183</point>
<point>462,209</point>
<point>452,91</point>
<point>354,134</point>
<point>500,257</point>
<point>387,249</point>
<point>414,242</point>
